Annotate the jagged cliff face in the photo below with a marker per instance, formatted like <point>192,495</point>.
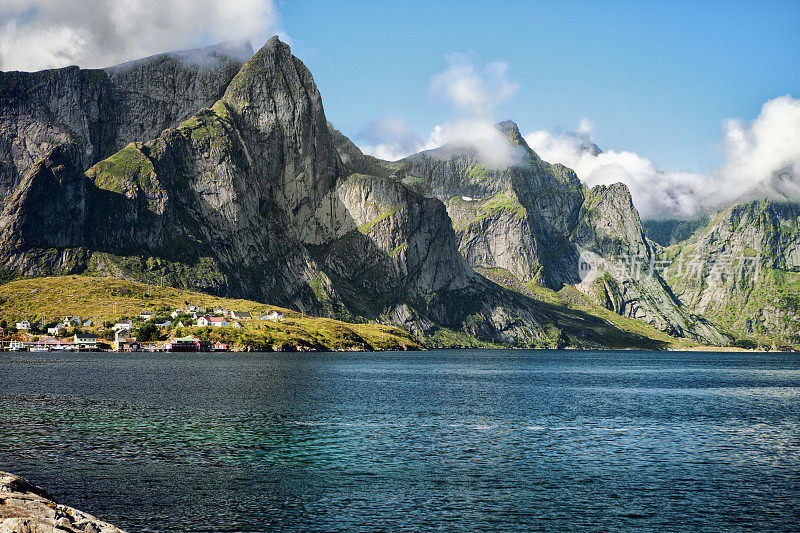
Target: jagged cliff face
<point>253,194</point>
<point>515,218</point>
<point>627,281</point>
<point>743,269</point>
<point>42,110</point>
<point>99,111</point>
<point>155,93</point>
<point>249,197</point>
<point>225,201</point>
<point>533,220</point>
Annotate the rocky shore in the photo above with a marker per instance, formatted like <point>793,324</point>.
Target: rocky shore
<point>25,508</point>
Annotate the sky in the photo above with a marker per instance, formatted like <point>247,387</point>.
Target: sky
<point>669,90</point>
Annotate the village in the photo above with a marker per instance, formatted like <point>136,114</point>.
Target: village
<point>160,331</point>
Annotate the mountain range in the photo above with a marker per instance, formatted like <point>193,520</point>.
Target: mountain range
<point>216,170</point>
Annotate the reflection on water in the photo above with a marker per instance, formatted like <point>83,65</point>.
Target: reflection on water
<point>469,440</point>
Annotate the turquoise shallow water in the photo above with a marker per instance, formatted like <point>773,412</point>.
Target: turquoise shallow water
<point>468,440</point>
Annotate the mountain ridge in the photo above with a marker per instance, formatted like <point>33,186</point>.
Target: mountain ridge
<point>256,194</point>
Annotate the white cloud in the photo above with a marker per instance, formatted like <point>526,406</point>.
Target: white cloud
<point>764,152</point>
<point>38,34</point>
<point>474,94</point>
<point>655,193</point>
<point>390,138</point>
<point>492,146</point>
<point>761,159</point>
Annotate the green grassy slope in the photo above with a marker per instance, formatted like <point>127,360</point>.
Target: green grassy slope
<point>95,298</point>
<point>570,298</point>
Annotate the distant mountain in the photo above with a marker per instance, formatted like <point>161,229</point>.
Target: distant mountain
<point>672,231</point>
<point>742,270</point>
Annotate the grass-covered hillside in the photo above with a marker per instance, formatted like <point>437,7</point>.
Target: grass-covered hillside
<point>104,299</point>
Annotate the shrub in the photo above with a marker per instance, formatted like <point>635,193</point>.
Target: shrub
<point>745,344</point>
<point>147,332</point>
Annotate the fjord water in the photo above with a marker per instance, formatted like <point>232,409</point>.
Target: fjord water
<point>467,440</point>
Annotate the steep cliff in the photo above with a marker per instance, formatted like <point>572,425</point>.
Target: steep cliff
<point>99,111</point>
<point>627,279</point>
<point>250,197</point>
<point>533,220</point>
<point>517,217</point>
<point>742,269</point>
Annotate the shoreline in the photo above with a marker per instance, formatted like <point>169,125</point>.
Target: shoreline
<point>27,508</point>
<point>709,349</point>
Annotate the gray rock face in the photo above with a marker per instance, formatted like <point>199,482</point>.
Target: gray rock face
<point>534,219</point>
<point>743,269</point>
<point>255,196</point>
<point>42,110</point>
<point>99,111</point>
<point>532,200</point>
<point>630,285</point>
<point>47,212</point>
<point>152,94</point>
<point>25,508</point>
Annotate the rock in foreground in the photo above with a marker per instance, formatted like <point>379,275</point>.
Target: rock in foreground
<point>25,508</point>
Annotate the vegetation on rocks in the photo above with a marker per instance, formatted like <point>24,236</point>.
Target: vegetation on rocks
<point>569,298</point>
<point>256,195</point>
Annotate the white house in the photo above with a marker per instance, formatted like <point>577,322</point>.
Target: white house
<point>146,315</point>
<point>241,315</point>
<point>23,324</point>
<point>237,325</point>
<point>55,330</point>
<point>192,308</point>
<point>175,314</point>
<point>214,321</point>
<point>123,324</point>
<point>86,341</point>
<point>68,321</point>
<point>273,315</point>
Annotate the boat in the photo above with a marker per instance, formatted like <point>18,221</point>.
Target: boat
<point>60,348</point>
<point>38,349</point>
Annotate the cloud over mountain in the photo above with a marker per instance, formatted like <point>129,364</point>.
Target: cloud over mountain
<point>38,34</point>
<point>762,158</point>
<point>474,94</point>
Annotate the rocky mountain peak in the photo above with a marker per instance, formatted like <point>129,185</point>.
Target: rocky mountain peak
<point>274,82</point>
<point>510,129</point>
<point>282,121</point>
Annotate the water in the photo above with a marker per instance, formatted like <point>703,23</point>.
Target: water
<point>470,440</point>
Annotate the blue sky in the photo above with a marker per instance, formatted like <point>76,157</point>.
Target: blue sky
<point>695,104</point>
<point>654,78</point>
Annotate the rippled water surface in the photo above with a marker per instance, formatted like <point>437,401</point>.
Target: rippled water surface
<point>453,440</point>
